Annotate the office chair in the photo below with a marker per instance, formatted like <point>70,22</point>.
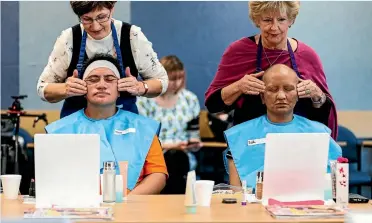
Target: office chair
<point>352,151</point>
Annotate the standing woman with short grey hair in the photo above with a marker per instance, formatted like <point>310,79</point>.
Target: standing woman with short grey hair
<point>237,83</point>
<point>99,32</point>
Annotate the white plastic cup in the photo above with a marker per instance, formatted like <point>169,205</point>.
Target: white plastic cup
<point>11,183</point>
<point>203,192</point>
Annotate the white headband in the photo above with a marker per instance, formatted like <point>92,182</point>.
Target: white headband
<point>101,63</point>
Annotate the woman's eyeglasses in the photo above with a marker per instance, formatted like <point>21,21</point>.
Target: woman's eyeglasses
<point>99,19</point>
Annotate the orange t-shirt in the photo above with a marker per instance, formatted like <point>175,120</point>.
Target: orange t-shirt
<point>154,162</point>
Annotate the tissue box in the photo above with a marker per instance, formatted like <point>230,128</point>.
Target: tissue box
<point>342,184</point>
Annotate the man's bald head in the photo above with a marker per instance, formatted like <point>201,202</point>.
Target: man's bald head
<point>279,69</point>
<point>280,94</point>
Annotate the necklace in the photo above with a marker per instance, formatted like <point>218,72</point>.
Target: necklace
<point>275,59</point>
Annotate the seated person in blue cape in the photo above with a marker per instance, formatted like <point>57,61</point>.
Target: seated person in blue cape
<point>245,159</point>
<point>124,136</point>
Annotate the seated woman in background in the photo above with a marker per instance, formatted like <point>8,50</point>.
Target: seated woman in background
<point>177,110</point>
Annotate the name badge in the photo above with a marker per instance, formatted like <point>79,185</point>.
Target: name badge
<point>123,132</point>
<point>253,142</point>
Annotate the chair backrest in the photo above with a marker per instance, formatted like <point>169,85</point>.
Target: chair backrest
<point>205,130</point>
<point>349,151</point>
<point>217,126</point>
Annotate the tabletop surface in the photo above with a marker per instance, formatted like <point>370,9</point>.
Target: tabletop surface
<point>170,208</point>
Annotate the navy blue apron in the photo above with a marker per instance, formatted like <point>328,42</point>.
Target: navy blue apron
<point>124,102</point>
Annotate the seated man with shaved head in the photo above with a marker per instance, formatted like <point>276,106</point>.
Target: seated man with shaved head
<point>280,98</point>
<point>124,136</point>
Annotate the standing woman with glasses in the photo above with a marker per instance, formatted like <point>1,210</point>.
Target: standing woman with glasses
<point>97,33</point>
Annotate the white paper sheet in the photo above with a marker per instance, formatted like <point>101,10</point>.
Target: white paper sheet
<point>295,165</point>
<point>67,170</point>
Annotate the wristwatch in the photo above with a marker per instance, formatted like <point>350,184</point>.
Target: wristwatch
<point>146,88</point>
<point>323,98</point>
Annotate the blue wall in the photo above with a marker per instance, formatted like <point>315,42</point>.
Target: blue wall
<point>341,34</point>
<point>9,52</point>
<point>197,32</point>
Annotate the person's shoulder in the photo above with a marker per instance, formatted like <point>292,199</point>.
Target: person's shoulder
<point>313,125</point>
<point>135,29</point>
<point>250,124</point>
<point>145,102</point>
<point>238,50</point>
<point>128,116</point>
<point>242,43</point>
<point>189,94</point>
<point>63,122</point>
<point>256,121</point>
<point>65,36</point>
<point>117,23</point>
<point>137,37</point>
<point>306,51</point>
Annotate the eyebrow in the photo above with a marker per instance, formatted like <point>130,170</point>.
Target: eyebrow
<point>104,75</point>
<point>88,17</point>
<point>284,85</point>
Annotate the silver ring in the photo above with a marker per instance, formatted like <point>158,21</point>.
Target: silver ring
<point>308,91</point>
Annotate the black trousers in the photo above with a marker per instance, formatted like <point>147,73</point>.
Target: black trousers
<point>178,166</point>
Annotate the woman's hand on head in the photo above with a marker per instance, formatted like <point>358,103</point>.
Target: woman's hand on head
<point>130,84</point>
<point>250,84</point>
<point>308,89</point>
<point>75,86</point>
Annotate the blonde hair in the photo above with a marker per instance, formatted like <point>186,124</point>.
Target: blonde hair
<point>172,64</point>
<point>257,8</point>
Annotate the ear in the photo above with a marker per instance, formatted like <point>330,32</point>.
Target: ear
<point>262,96</point>
<point>293,21</point>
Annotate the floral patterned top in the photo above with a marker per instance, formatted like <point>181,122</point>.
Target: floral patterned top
<point>173,120</point>
<point>144,57</point>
